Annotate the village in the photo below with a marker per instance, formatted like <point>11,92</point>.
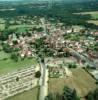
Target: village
<point>64,49</point>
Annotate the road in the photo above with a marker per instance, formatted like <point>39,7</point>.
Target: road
<point>43,82</point>
<point>75,53</point>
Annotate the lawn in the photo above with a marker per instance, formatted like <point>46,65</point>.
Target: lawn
<point>29,95</point>
<point>10,65</point>
<point>80,80</point>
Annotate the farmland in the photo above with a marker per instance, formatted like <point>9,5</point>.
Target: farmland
<point>79,81</point>
<point>93,15</point>
<point>29,95</point>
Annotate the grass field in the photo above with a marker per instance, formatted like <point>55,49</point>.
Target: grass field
<point>20,26</point>
<point>93,21</point>
<point>29,95</point>
<point>94,14</point>
<point>80,80</point>
<point>8,65</point>
<point>2,27</point>
<point>3,55</point>
<point>2,21</point>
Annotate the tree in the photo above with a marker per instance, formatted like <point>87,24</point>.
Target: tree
<point>14,56</point>
<point>68,94</point>
<point>96,94</point>
<point>74,95</point>
<point>92,95</point>
<point>7,48</point>
<point>38,74</point>
<point>17,78</point>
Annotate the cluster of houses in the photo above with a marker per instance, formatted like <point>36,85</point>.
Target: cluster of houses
<point>54,39</point>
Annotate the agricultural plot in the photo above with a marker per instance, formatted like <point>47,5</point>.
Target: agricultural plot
<point>29,95</point>
<point>94,16</point>
<point>80,80</point>
<point>93,22</point>
<point>17,82</point>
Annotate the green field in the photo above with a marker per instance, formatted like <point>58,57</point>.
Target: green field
<point>80,80</point>
<point>2,27</point>
<point>8,65</point>
<point>93,22</point>
<point>94,16</point>
<point>2,21</point>
<point>20,26</point>
<point>29,95</point>
<point>3,55</point>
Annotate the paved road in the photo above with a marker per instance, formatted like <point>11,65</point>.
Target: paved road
<point>43,82</point>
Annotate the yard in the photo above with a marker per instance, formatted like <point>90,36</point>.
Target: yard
<point>29,95</point>
<point>80,80</point>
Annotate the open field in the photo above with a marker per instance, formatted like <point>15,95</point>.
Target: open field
<point>93,22</point>
<point>20,26</point>
<point>28,95</point>
<point>2,27</point>
<point>3,55</point>
<point>2,21</point>
<point>80,80</point>
<point>9,65</point>
<point>94,14</point>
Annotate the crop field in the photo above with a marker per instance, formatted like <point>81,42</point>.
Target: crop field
<point>93,21</point>
<point>80,80</point>
<point>28,95</point>
<point>94,14</point>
